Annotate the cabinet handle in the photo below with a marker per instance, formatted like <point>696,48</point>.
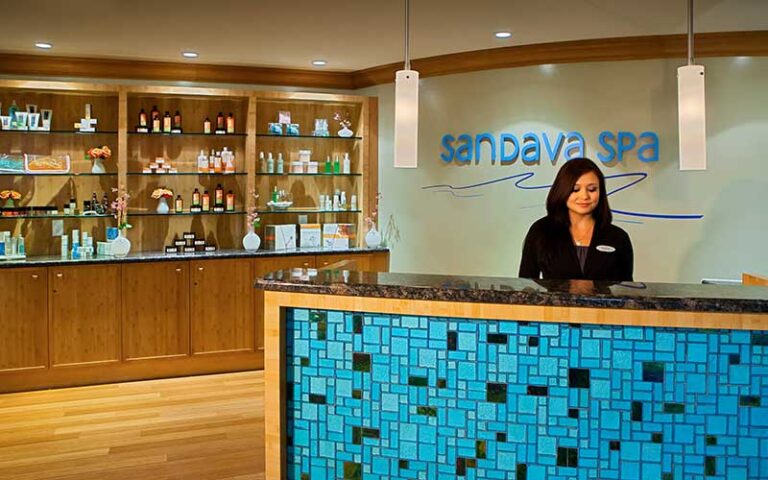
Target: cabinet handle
<point>306,264</point>
<point>59,275</point>
<point>178,269</point>
<point>325,263</point>
<point>35,276</point>
<point>200,269</point>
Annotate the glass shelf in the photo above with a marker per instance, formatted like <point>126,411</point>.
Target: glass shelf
<point>303,210</point>
<point>184,214</point>
<point>332,137</point>
<point>60,132</point>
<point>53,217</point>
<point>88,174</point>
<point>309,174</point>
<point>189,174</point>
<point>191,134</point>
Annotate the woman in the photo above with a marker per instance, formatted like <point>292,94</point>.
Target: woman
<point>576,239</point>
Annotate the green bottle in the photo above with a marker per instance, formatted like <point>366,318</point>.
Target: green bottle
<point>328,164</point>
<point>336,165</point>
<point>12,113</point>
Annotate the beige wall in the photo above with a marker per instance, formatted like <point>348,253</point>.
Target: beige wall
<point>482,236</point>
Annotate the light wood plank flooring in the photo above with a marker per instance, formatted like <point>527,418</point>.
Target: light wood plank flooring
<point>197,428</point>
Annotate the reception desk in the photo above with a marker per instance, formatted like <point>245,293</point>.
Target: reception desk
<point>384,376</point>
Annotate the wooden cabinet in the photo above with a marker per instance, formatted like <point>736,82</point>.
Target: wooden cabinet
<point>85,314</point>
<point>23,319</point>
<point>366,262</point>
<point>155,310</point>
<point>222,306</point>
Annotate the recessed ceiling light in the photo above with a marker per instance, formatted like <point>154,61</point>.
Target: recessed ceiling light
<point>44,45</point>
<point>319,63</point>
<point>190,54</point>
<point>502,34</point>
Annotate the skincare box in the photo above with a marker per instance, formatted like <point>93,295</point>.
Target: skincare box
<point>338,235</point>
<point>310,235</point>
<point>280,237</point>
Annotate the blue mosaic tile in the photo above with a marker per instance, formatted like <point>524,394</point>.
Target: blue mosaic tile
<point>375,397</point>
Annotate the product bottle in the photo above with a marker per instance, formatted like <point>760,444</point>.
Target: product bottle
<point>143,118</point>
<point>72,206</point>
<point>346,166</point>
<point>94,201</point>
<point>219,122</point>
<point>230,201</point>
<point>270,163</point>
<point>275,195</point>
<point>155,116</point>
<point>22,249</point>
<point>167,122</point>
<point>206,201</point>
<point>336,200</point>
<point>343,201</point>
<point>12,112</point>
<point>196,198</point>
<point>212,162</point>
<point>202,163</point>
<point>336,165</point>
<point>179,204</point>
<point>230,123</point>
<point>177,121</point>
<point>353,203</point>
<point>328,164</point>
<point>105,202</point>
<point>280,164</point>
<point>75,244</point>
<point>207,125</point>
<point>64,246</point>
<point>218,196</point>
<point>262,163</point>
<point>228,160</point>
<point>217,163</point>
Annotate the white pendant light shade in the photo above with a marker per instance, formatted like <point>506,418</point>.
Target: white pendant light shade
<point>691,117</point>
<point>406,119</point>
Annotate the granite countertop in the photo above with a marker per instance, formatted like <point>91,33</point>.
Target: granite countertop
<point>55,260</point>
<point>522,291</point>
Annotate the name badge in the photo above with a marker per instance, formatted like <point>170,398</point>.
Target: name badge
<point>605,248</point>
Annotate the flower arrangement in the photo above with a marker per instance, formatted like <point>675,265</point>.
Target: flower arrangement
<point>370,222</point>
<point>102,152</point>
<point>9,196</point>
<point>343,119</point>
<point>120,207</point>
<point>253,220</point>
<point>162,193</point>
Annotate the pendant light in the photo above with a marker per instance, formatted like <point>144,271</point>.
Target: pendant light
<point>691,109</point>
<point>406,107</point>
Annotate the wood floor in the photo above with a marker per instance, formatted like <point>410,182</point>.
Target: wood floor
<point>197,428</point>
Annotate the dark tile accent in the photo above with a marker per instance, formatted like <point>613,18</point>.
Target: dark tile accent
<point>428,411</point>
<point>573,413</point>
<point>522,472</point>
<point>321,318</point>
<point>403,464</point>
<point>357,435</point>
<point>567,457</point>
<point>418,381</point>
<point>637,411</point>
<point>501,436</point>
<point>471,463</point>
<point>749,401</point>
<point>710,440</point>
<point>497,338</point>
<point>578,377</point>
<point>523,323</point>
<point>305,476</point>
<point>657,437</point>
<point>653,372</point>
<point>760,339</point>
<point>461,467</point>
<point>538,391</point>
<point>710,466</point>
<point>353,471</point>
<point>674,408</point>
<point>532,342</point>
<point>361,362</point>
<point>575,325</point>
<point>304,361</point>
<point>441,383</point>
<point>370,432</point>
<point>667,476</point>
<point>453,340</point>
<point>496,393</point>
<point>357,394</point>
<point>317,399</point>
<point>481,449</point>
<point>289,440</point>
<point>614,445</point>
<point>357,323</point>
<point>734,359</point>
<point>289,390</point>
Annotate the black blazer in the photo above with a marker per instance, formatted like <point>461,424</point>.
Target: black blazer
<point>549,251</point>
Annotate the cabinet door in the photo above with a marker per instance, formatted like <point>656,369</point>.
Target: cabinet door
<point>222,306</point>
<point>85,314</point>
<point>365,262</point>
<point>155,310</point>
<point>263,266</point>
<point>23,318</point>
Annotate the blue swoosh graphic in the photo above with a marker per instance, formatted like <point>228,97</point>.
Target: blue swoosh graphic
<point>521,178</point>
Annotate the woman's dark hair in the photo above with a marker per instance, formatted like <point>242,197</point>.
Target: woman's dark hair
<point>566,178</point>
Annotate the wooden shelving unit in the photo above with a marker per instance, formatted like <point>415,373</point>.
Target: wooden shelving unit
<point>117,109</point>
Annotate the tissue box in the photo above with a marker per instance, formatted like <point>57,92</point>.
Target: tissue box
<point>338,235</point>
<point>310,235</point>
<point>280,237</point>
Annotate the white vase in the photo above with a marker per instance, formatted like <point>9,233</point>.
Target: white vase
<point>373,238</point>
<point>98,166</point>
<point>345,132</point>
<point>251,241</point>
<point>162,206</point>
<point>121,245</point>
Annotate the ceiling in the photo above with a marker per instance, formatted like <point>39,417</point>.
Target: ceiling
<point>349,34</point>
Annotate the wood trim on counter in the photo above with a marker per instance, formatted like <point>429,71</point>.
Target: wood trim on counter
<point>717,44</point>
